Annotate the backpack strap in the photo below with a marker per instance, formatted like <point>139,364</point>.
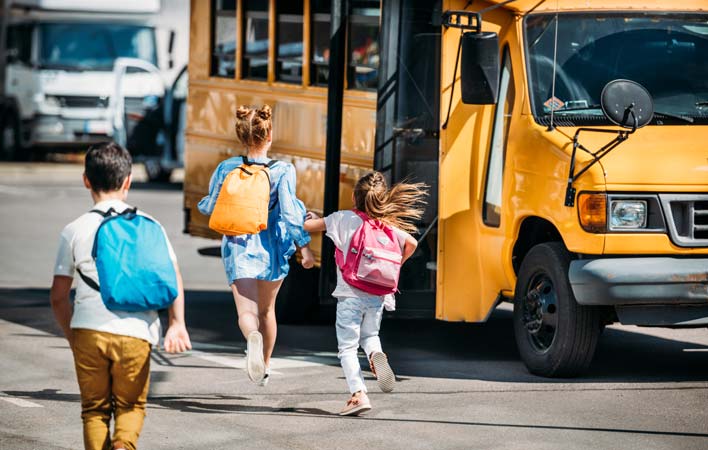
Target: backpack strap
<point>248,162</point>
<point>91,283</point>
<point>104,214</point>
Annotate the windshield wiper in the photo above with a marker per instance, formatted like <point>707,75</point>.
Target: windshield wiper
<point>673,116</point>
<point>702,103</point>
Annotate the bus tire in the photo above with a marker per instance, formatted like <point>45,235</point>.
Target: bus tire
<point>556,336</point>
<point>298,299</point>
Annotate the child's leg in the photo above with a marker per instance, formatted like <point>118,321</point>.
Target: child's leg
<point>246,298</point>
<point>371,344</point>
<point>267,325</point>
<point>93,375</point>
<point>131,378</point>
<point>370,325</point>
<point>349,316</point>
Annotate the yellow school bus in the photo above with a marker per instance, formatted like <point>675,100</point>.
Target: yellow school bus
<point>563,142</point>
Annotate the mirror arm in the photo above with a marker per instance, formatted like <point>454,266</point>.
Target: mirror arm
<point>597,156</point>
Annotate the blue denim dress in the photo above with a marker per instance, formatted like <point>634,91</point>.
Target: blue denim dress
<point>263,256</point>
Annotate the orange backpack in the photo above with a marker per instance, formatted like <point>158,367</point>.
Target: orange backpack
<point>242,204</point>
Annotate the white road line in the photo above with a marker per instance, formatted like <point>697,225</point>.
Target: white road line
<point>695,349</point>
<point>277,363</point>
<point>19,402</point>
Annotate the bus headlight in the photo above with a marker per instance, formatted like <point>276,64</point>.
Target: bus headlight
<point>628,214</point>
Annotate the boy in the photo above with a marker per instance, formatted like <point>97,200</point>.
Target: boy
<point>111,348</point>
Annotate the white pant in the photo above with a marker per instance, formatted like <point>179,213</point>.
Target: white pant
<point>358,322</point>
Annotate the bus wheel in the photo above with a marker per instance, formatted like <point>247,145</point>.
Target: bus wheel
<point>298,298</point>
<point>555,336</point>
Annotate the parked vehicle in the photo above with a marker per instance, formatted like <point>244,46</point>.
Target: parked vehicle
<point>153,133</point>
<point>581,199</point>
<point>58,69</point>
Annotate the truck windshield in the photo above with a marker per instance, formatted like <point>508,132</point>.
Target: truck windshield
<point>666,53</point>
<point>93,46</point>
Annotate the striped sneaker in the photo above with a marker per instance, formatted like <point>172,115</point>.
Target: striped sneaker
<point>255,366</point>
<point>382,371</point>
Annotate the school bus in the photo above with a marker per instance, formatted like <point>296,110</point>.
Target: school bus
<point>562,141</point>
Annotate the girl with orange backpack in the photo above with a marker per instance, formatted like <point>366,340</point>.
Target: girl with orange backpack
<point>252,203</point>
<point>371,243</point>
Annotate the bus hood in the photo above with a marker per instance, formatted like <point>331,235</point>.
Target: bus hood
<point>655,158</point>
<point>97,84</point>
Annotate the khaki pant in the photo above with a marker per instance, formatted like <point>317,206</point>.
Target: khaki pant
<point>113,373</point>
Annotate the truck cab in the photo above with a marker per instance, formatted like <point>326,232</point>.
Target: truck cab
<point>59,70</point>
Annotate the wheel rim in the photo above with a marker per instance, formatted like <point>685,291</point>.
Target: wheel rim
<point>540,312</point>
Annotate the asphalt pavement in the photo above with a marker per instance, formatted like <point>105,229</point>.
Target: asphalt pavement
<point>460,386</point>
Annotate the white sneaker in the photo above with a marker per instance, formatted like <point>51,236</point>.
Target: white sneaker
<point>255,366</point>
<point>266,377</point>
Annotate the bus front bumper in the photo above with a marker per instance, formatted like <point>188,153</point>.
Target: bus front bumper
<point>654,291</point>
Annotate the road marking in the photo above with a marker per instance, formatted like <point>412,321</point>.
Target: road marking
<point>19,402</point>
<point>276,363</point>
<point>695,349</point>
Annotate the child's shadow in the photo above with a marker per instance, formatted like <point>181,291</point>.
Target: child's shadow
<point>199,405</point>
<point>202,404</point>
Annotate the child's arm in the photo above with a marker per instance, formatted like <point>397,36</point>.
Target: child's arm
<point>308,259</point>
<point>177,338</point>
<point>314,223</point>
<point>409,247</point>
<point>61,306</point>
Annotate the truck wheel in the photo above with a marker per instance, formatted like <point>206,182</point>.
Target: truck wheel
<point>555,336</point>
<point>157,173</point>
<point>9,138</point>
<point>298,298</point>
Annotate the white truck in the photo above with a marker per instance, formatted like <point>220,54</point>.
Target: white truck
<point>57,78</point>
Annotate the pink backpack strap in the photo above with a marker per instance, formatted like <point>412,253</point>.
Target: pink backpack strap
<point>365,217</point>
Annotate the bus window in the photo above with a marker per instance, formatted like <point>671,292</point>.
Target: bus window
<point>320,42</point>
<point>288,66</point>
<point>255,36</point>
<point>495,170</point>
<point>364,44</point>
<point>223,23</point>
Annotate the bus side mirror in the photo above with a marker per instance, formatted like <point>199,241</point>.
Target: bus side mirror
<point>480,68</point>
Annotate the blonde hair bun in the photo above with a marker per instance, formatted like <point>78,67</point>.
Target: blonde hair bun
<point>253,126</point>
<point>243,112</point>
<point>265,112</point>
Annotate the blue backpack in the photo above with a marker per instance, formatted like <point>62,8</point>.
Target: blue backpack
<point>135,272</point>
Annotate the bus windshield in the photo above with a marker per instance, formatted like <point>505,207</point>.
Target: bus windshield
<point>93,46</point>
<point>666,53</point>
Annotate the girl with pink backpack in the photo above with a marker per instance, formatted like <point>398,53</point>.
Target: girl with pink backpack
<point>371,243</point>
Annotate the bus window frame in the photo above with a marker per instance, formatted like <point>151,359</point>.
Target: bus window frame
<point>241,29</point>
<point>350,67</point>
<point>499,127</point>
<point>290,18</point>
<point>213,15</point>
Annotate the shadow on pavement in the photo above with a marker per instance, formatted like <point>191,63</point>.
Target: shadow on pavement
<point>209,404</point>
<point>417,348</point>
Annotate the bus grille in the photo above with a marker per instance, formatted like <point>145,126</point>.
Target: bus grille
<point>687,218</point>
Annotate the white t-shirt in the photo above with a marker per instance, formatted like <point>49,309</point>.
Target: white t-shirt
<point>341,226</point>
<point>75,246</point>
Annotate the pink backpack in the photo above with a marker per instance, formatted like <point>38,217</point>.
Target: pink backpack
<point>373,261</point>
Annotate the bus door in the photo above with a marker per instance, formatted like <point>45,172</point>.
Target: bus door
<point>407,124</point>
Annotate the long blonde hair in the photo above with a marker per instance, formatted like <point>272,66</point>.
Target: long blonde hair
<point>253,125</point>
<point>400,206</point>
